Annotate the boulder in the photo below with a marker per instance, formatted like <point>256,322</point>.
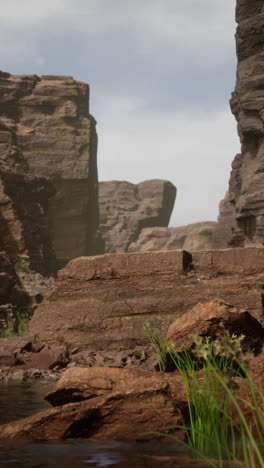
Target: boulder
<point>78,384</point>
<point>126,208</point>
<point>117,404</point>
<point>211,320</point>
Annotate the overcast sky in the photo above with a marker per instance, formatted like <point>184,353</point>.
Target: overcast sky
<point>161,73</point>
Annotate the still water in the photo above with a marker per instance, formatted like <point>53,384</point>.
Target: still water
<point>18,401</point>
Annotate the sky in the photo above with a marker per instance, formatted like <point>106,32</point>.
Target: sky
<point>161,74</point>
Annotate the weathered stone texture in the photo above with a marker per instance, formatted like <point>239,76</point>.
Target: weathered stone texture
<point>51,129</point>
<point>197,236</point>
<point>126,208</point>
<point>246,185</point>
<point>25,225</point>
<point>102,302</point>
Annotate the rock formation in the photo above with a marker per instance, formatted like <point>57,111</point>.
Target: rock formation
<point>246,186</point>
<point>24,227</point>
<point>103,302</point>
<point>126,208</point>
<point>195,236</point>
<point>46,122</point>
<point>27,257</point>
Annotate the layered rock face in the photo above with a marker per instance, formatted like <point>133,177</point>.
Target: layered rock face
<point>103,302</point>
<point>53,131</point>
<point>24,227</point>
<point>126,208</point>
<point>246,185</point>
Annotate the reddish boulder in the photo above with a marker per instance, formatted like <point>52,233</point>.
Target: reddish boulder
<point>118,404</point>
<point>210,320</point>
<point>79,384</point>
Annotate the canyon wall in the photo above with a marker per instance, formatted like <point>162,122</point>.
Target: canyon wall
<point>246,186</point>
<point>27,259</point>
<point>56,136</point>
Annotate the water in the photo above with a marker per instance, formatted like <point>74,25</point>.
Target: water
<point>18,401</point>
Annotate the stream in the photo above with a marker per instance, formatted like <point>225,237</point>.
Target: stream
<point>21,400</point>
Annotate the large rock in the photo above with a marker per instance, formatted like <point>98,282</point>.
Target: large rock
<point>115,404</point>
<point>126,208</point>
<point>120,405</point>
<point>47,122</point>
<point>103,302</point>
<point>212,319</point>
<point>78,384</point>
<point>246,186</point>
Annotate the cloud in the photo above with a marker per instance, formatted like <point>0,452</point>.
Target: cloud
<point>161,72</point>
<point>192,149</point>
<point>19,15</point>
<point>197,27</point>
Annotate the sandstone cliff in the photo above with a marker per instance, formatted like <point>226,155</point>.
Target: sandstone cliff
<point>246,186</point>
<point>27,260</point>
<point>126,208</point>
<point>52,131</point>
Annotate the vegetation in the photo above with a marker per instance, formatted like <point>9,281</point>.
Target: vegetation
<point>13,329</point>
<point>216,425</point>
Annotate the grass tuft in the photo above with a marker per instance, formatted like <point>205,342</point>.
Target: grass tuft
<point>213,401</point>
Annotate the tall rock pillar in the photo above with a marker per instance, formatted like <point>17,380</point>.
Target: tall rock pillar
<point>246,186</point>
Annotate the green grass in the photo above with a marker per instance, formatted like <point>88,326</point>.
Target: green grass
<point>13,329</point>
<point>212,401</point>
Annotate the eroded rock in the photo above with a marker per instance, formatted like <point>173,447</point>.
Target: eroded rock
<point>131,405</point>
<point>126,208</point>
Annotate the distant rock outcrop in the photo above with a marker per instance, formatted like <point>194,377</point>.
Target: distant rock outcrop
<point>46,122</point>
<point>246,186</point>
<point>126,209</point>
<point>195,236</point>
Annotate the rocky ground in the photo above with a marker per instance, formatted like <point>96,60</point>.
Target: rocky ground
<point>119,395</point>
